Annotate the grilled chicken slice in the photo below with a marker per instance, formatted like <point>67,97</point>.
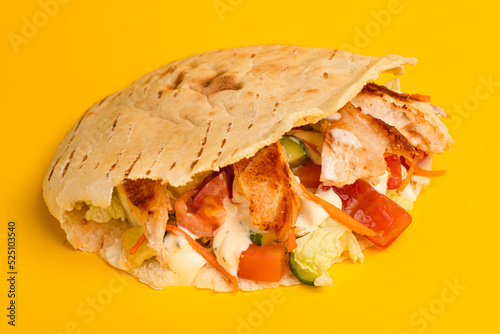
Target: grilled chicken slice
<point>270,187</point>
<point>148,205</point>
<point>412,115</point>
<point>353,147</point>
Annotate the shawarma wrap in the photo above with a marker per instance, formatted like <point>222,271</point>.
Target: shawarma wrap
<point>215,168</point>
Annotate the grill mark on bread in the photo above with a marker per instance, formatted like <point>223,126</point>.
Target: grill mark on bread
<point>203,143</point>
<point>223,142</point>
<point>158,155</point>
<point>74,133</point>
<point>53,167</point>
<point>65,169</point>
<point>113,166</point>
<point>85,157</point>
<point>127,172</point>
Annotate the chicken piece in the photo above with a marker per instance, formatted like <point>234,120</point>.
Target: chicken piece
<point>271,189</point>
<point>148,203</point>
<point>412,115</point>
<point>353,147</point>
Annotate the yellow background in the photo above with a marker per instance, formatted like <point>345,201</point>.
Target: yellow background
<point>86,50</point>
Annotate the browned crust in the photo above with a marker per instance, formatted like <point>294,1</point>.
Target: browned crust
<point>374,89</point>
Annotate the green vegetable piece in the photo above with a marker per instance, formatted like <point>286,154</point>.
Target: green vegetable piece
<point>295,150</point>
<point>318,250</point>
<point>256,238</point>
<point>303,274</point>
<point>104,215</point>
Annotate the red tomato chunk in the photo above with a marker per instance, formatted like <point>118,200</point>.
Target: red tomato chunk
<point>263,263</point>
<point>374,210</point>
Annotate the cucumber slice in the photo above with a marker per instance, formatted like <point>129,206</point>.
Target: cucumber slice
<point>295,150</point>
<point>303,275</point>
<point>256,238</point>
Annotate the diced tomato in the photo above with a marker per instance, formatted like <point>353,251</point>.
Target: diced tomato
<point>263,263</point>
<point>309,175</point>
<point>205,213</point>
<point>374,210</point>
<point>394,164</point>
<point>216,187</point>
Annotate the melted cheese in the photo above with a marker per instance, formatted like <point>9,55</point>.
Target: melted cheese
<point>312,215</point>
<point>182,259</point>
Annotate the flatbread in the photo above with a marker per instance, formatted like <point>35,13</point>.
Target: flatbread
<point>195,115</point>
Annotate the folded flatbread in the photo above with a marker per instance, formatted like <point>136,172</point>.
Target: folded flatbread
<point>203,113</point>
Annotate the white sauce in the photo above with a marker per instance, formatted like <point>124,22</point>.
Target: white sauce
<point>379,183</point>
<point>408,192</point>
<point>115,256</point>
<point>344,137</point>
<point>334,117</point>
<point>182,259</point>
<point>312,215</point>
<point>233,237</point>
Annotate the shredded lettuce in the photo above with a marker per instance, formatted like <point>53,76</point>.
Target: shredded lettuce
<point>318,250</point>
<point>104,215</point>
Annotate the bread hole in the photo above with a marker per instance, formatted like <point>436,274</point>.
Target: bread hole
<point>145,90</point>
<point>276,106</point>
<point>160,93</point>
<point>332,55</point>
<point>325,75</point>
<point>148,172</point>
<point>173,165</point>
<point>257,96</point>
<point>223,143</point>
<point>176,93</point>
<point>97,165</point>
<point>250,126</point>
<point>252,55</point>
<point>114,123</point>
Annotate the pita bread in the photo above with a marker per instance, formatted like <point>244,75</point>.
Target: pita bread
<point>195,115</point>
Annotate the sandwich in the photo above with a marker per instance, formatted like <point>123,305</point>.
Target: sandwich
<point>247,168</point>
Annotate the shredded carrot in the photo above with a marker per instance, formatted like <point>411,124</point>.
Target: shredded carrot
<point>428,173</point>
<point>138,244</point>
<point>338,214</point>
<point>413,163</point>
<point>203,252</point>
